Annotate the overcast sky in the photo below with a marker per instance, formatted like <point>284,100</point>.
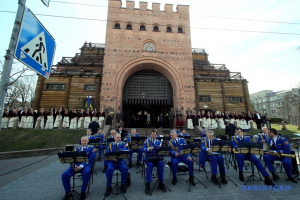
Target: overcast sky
<point>267,61</point>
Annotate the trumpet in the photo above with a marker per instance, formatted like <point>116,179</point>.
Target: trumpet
<point>281,155</point>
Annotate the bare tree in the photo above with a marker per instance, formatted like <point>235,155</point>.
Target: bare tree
<point>16,72</point>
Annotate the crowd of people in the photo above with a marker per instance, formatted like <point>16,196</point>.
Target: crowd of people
<point>52,118</point>
<point>120,140</point>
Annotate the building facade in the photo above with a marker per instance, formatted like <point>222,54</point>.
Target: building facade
<point>146,66</point>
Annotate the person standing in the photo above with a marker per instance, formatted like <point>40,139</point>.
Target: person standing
<point>160,120</point>
<point>257,119</point>
<point>171,118</point>
<point>263,120</point>
<point>167,121</point>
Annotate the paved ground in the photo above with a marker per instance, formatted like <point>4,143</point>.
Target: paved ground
<point>43,181</point>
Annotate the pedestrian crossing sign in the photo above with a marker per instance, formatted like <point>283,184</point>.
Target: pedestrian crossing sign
<point>35,46</point>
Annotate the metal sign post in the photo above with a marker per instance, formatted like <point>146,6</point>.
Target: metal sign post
<point>9,56</point>
<point>46,2</point>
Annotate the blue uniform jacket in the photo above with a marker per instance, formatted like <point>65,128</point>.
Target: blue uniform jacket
<point>112,147</point>
<point>90,152</point>
<point>180,134</point>
<point>282,145</point>
<point>148,143</point>
<point>101,136</point>
<point>130,136</point>
<point>261,137</point>
<point>203,134</point>
<point>176,149</point>
<point>203,152</point>
<point>236,140</point>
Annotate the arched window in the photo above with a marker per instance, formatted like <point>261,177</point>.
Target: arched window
<point>117,26</point>
<point>129,27</point>
<point>180,30</point>
<point>169,29</point>
<point>155,28</point>
<point>142,28</point>
<point>149,46</point>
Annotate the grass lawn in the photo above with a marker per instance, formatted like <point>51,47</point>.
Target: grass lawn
<point>20,139</point>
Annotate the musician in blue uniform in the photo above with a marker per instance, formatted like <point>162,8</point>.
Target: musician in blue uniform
<point>150,147</point>
<point>83,168</point>
<point>139,151</point>
<point>118,145</point>
<point>89,134</point>
<point>182,133</point>
<point>242,157</point>
<point>262,138</point>
<point>203,133</point>
<point>99,135</point>
<point>214,160</point>
<point>112,135</point>
<point>278,145</point>
<point>176,145</point>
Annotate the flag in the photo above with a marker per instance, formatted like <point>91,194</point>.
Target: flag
<point>88,104</point>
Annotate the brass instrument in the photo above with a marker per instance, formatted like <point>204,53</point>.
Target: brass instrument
<point>111,113</point>
<point>281,155</point>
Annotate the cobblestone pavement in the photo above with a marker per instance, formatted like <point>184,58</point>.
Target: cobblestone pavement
<point>45,183</point>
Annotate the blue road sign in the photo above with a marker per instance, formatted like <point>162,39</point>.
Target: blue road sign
<point>35,46</point>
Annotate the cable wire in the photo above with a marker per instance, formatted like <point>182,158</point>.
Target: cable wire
<point>210,16</point>
<point>216,29</point>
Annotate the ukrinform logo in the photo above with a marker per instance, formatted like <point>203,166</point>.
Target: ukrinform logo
<point>266,188</point>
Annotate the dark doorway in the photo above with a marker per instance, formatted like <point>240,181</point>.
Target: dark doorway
<point>146,92</point>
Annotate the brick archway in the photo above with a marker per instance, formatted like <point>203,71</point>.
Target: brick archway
<point>149,63</point>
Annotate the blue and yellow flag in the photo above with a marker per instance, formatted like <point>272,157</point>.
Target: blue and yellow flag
<point>88,104</point>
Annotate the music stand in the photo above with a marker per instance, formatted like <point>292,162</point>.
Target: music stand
<point>71,158</point>
<point>296,146</point>
<point>136,144</point>
<point>187,149</point>
<point>219,145</point>
<point>187,138</point>
<point>246,148</point>
<point>162,151</point>
<point>117,155</point>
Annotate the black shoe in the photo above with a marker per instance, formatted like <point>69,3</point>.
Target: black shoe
<point>162,187</point>
<point>147,190</point>
<point>214,180</point>
<point>105,168</point>
<point>241,176</point>
<point>67,195</point>
<point>108,191</point>
<point>123,188</point>
<point>275,177</point>
<point>82,196</point>
<point>268,181</point>
<point>224,179</point>
<point>174,181</point>
<point>191,180</point>
<point>293,180</point>
<point>130,165</point>
<point>99,158</point>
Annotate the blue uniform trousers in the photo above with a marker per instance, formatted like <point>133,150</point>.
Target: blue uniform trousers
<point>110,171</point>
<point>240,160</point>
<point>160,167</point>
<point>214,161</point>
<point>85,173</point>
<point>176,160</point>
<point>100,149</point>
<point>140,156</point>
<point>287,164</point>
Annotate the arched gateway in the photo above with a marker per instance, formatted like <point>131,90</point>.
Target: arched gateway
<point>146,92</point>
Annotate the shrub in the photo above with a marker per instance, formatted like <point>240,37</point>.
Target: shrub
<point>276,119</point>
